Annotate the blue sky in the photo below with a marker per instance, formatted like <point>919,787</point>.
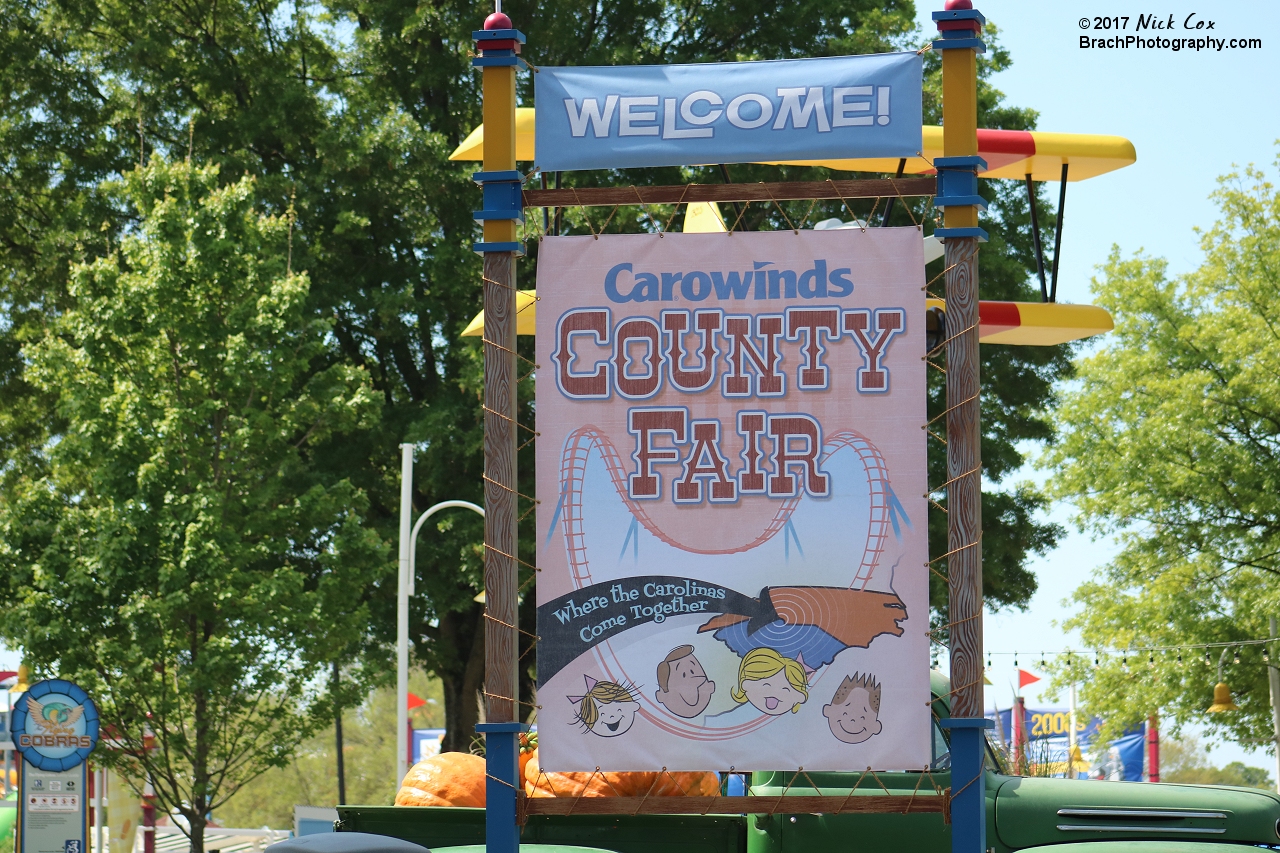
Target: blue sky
<point>1192,117</point>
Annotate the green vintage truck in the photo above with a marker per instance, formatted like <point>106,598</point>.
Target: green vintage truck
<point>1061,815</point>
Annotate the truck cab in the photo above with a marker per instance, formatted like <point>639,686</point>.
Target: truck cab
<point>1023,813</point>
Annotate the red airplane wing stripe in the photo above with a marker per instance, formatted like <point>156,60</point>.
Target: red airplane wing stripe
<point>1004,314</point>
<point>1019,142</point>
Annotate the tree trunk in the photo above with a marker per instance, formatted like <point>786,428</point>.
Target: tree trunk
<point>197,821</point>
<point>527,670</point>
<point>463,681</point>
<point>200,793</point>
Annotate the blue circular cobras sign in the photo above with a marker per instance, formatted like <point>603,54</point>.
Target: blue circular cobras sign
<point>54,725</point>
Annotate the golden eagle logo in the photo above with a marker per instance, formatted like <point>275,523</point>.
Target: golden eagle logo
<point>55,718</point>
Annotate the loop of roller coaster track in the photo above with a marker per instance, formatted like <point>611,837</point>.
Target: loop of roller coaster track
<point>573,464</point>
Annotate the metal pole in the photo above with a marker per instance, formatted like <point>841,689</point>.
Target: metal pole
<point>337,735</point>
<point>413,536</point>
<point>1035,234</point>
<point>1057,234</point>
<point>1071,737</point>
<point>99,817</point>
<point>1273,678</point>
<point>402,614</point>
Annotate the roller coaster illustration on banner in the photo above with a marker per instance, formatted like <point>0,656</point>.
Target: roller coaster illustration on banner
<point>808,624</point>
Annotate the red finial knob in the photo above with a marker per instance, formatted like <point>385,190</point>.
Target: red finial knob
<point>499,21</point>
<point>951,6</point>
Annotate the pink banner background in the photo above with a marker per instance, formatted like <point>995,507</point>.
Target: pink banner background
<point>832,562</point>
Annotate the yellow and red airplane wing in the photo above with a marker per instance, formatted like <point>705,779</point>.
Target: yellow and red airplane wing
<point>1009,153</point>
<point>1035,323</point>
<point>1018,323</point>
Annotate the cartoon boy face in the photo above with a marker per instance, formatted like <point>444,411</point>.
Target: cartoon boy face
<point>614,718</point>
<point>683,686</point>
<point>773,695</point>
<point>854,710</point>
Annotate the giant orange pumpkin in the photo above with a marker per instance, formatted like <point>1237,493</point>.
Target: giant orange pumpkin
<point>538,783</point>
<point>448,779</point>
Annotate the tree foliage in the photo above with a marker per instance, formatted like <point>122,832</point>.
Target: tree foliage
<point>179,555</point>
<point>1172,443</point>
<point>1185,761</point>
<point>345,111</point>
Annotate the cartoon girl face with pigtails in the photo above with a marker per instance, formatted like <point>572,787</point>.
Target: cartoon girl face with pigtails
<point>607,709</point>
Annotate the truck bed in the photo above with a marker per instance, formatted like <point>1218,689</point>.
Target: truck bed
<point>450,827</point>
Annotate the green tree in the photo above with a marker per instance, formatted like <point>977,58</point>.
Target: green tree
<point>310,778</point>
<point>1185,760</point>
<point>1170,443</point>
<point>180,555</point>
<point>346,110</point>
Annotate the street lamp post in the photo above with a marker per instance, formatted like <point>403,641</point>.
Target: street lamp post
<point>404,589</point>
<point>1273,681</point>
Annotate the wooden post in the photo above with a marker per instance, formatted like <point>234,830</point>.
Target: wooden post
<point>500,637</point>
<point>964,427</point>
<point>958,168</point>
<point>500,646</point>
<point>964,463</point>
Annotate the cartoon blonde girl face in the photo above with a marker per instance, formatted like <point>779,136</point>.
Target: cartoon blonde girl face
<point>771,683</point>
<point>607,709</point>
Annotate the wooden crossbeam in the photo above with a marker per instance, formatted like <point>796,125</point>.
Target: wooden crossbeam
<point>777,191</point>
<point>857,804</point>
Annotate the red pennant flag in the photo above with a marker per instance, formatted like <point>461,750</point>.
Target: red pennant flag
<point>415,700</point>
<point>1025,678</point>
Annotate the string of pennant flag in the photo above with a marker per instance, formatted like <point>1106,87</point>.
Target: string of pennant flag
<point>1186,653</point>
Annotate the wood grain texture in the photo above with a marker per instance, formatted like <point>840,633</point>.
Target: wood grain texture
<point>501,647</point>
<point>781,191</point>
<point>923,802</point>
<point>964,463</point>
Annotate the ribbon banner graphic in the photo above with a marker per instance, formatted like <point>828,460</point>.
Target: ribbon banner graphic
<point>732,531</point>
<point>617,117</point>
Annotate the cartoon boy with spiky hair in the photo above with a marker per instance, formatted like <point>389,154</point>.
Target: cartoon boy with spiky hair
<point>854,710</point>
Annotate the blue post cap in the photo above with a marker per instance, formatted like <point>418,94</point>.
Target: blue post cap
<point>944,234</point>
<point>503,175</point>
<point>957,43</point>
<point>967,723</point>
<point>485,728</point>
<point>510,246</point>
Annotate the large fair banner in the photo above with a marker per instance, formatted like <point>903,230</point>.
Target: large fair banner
<point>617,117</point>
<point>731,518</point>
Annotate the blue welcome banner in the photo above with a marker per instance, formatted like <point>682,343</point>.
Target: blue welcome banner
<point>735,112</point>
